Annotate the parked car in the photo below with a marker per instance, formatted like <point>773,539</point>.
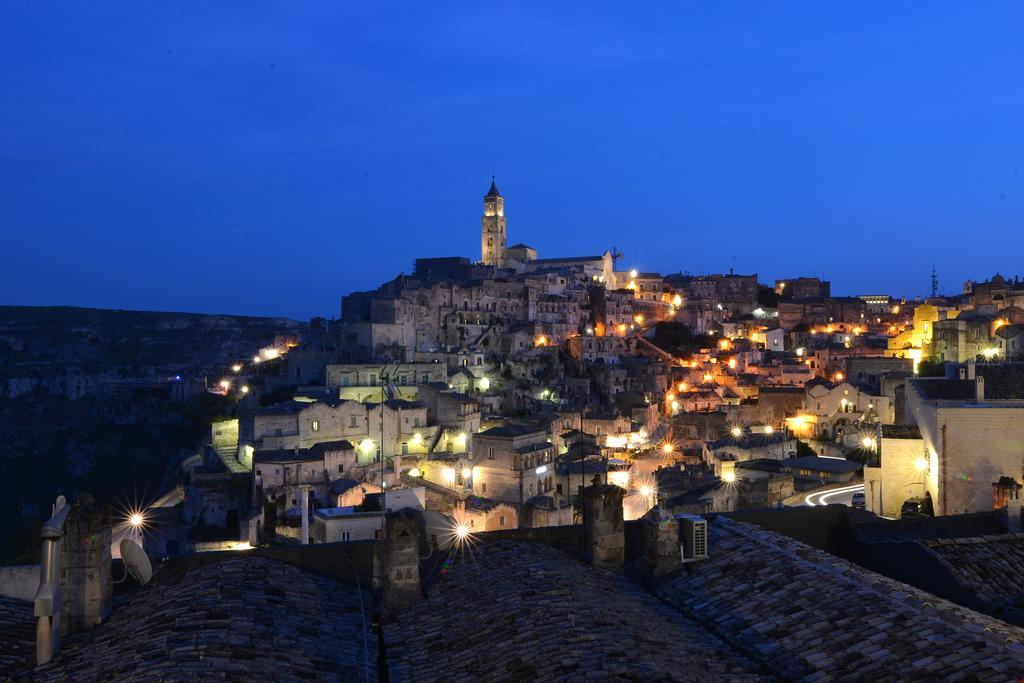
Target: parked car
<point>917,507</point>
<point>857,501</point>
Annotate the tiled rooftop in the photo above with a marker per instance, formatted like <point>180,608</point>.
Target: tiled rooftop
<point>900,432</point>
<point>810,615</point>
<point>17,635</point>
<point>248,618</point>
<point>988,566</point>
<point>522,611</point>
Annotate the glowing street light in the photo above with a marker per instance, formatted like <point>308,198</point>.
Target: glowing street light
<point>729,477</point>
<point>737,432</point>
<point>236,368</point>
<point>466,473</point>
<point>136,519</point>
<point>225,384</point>
<point>867,442</point>
<point>633,274</point>
<point>768,429</point>
<point>667,447</point>
<point>245,388</point>
<point>921,464</point>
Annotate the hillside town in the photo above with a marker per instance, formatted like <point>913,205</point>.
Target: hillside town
<point>723,454</point>
<point>496,389</point>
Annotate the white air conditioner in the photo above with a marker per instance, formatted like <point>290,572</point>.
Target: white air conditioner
<point>693,531</point>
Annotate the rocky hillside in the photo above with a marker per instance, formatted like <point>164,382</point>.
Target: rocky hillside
<point>87,403</point>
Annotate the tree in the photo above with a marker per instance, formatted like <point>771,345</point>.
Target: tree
<point>766,296</point>
<point>673,335</point>
<point>931,367</point>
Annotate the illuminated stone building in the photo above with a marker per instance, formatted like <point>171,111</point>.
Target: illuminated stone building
<point>492,238</point>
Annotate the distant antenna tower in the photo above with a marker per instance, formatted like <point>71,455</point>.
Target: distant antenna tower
<point>935,282</point>
<point>616,255</point>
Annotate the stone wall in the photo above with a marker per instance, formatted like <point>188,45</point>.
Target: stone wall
<point>19,581</point>
<point>85,567</point>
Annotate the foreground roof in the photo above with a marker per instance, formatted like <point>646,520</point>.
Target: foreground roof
<point>808,614</point>
<point>522,611</point>
<point>245,618</point>
<point>987,566</point>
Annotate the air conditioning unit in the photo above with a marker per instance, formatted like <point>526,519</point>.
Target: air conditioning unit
<point>693,532</point>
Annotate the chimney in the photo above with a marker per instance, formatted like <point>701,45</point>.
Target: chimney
<point>661,543</point>
<point>85,566</point>
<point>604,537</point>
<point>1013,511</point>
<point>979,389</point>
<point>398,561</point>
<point>305,514</point>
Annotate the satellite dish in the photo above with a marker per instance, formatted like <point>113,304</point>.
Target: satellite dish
<point>136,562</point>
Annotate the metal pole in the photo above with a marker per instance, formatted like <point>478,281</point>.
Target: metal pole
<point>583,480</point>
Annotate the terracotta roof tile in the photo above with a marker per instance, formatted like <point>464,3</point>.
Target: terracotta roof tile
<point>248,618</point>
<point>517,610</point>
<point>810,615</point>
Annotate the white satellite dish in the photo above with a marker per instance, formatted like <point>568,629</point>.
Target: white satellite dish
<point>136,562</point>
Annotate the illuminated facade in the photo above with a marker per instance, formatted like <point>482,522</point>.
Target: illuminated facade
<point>492,237</point>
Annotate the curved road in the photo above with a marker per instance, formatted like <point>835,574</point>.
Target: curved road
<point>842,495</point>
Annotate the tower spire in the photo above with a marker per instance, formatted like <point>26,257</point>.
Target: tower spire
<point>492,237</point>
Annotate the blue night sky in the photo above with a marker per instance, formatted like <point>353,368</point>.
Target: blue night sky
<point>266,159</point>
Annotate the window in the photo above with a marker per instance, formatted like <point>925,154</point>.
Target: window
<point>415,422</point>
<point>353,422</point>
<point>483,488</point>
<point>315,425</point>
<point>490,452</point>
<point>479,360</point>
<point>258,472</point>
<point>341,468</point>
<point>501,520</point>
<point>294,501</point>
<point>378,534</point>
<point>559,488</point>
<point>346,536</point>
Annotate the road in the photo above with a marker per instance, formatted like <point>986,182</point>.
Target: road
<point>842,495</point>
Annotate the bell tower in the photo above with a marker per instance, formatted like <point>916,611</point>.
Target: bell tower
<point>492,234</point>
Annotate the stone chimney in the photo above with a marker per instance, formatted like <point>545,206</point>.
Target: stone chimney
<point>85,566</point>
<point>1014,510</point>
<point>661,543</point>
<point>398,560</point>
<point>979,389</point>
<point>604,537</point>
